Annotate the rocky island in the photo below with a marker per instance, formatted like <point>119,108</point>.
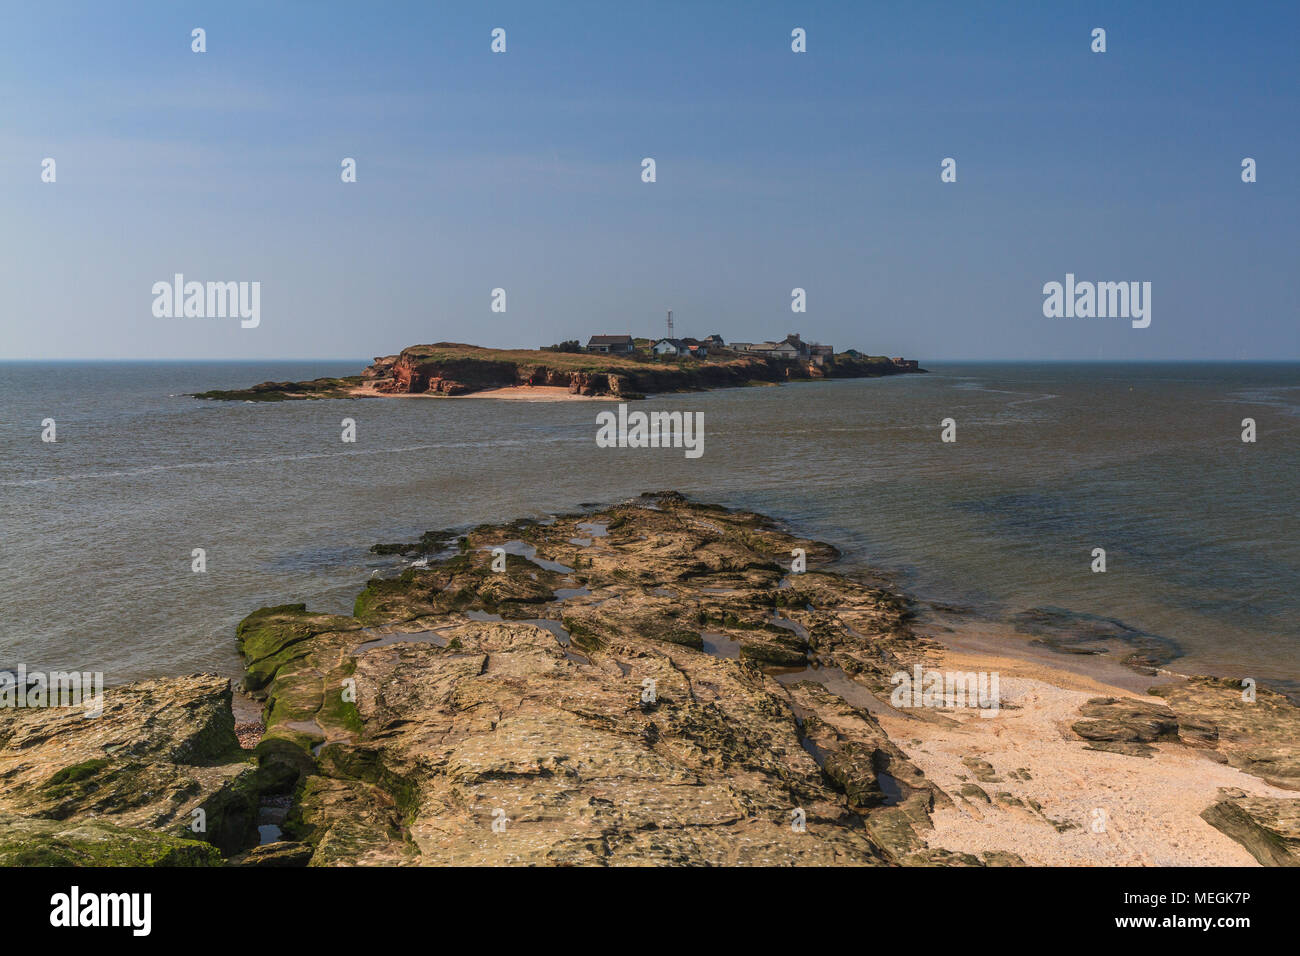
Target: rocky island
<point>655,682</point>
<point>449,369</point>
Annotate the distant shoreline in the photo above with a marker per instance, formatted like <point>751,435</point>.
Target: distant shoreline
<point>455,370</point>
<point>506,393</point>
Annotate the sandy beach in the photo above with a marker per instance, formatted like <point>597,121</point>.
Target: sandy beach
<point>515,393</point>
<point>1021,782</point>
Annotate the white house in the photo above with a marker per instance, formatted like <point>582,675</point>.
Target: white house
<point>669,348</point>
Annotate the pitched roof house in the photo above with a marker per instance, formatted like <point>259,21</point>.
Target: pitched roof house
<point>671,347</point>
<point>610,344</point>
<point>790,347</point>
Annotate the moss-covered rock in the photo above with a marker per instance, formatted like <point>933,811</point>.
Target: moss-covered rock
<point>27,841</point>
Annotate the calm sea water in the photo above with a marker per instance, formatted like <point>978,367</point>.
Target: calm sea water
<point>1051,461</point>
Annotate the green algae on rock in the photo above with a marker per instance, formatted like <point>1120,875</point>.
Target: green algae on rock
<point>645,684</point>
<point>570,698</point>
<point>162,756</point>
<point>32,841</point>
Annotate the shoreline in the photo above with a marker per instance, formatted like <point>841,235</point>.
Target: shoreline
<point>508,393</point>
<point>768,686</point>
<point>1021,784</point>
<point>449,369</point>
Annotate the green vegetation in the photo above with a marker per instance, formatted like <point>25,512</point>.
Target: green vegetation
<point>76,773</point>
<point>26,841</point>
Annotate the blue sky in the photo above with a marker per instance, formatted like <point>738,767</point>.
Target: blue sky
<point>775,170</point>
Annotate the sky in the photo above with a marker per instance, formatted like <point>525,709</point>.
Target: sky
<point>775,170</point>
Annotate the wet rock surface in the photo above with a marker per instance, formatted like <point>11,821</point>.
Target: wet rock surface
<point>33,841</point>
<point>595,728</point>
<point>124,787</point>
<point>644,684</point>
<point>1072,632</point>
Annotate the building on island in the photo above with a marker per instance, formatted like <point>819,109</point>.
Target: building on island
<point>911,365</point>
<point>790,347</point>
<point>670,348</point>
<point>693,347</point>
<point>611,344</point>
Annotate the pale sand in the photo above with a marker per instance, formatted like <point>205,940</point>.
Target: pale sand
<point>515,393</point>
<point>1152,805</point>
<point>538,393</point>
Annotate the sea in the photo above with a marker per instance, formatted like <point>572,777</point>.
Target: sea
<point>1050,462</point>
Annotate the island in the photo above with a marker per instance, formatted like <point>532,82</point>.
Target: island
<point>630,370</point>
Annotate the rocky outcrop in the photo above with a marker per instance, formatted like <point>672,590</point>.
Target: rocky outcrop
<point>1257,731</point>
<point>288,391</point>
<point>381,367</point>
<point>449,368</point>
<point>160,769</point>
<point>31,841</point>
<point>1126,726</point>
<point>413,373</point>
<point>584,706</point>
<point>646,684</point>
<point>1268,828</point>
<point>642,685</point>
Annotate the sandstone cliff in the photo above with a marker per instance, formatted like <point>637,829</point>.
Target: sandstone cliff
<point>453,369</point>
<point>449,368</point>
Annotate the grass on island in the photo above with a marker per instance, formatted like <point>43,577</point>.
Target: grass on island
<point>483,368</point>
<point>599,362</point>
